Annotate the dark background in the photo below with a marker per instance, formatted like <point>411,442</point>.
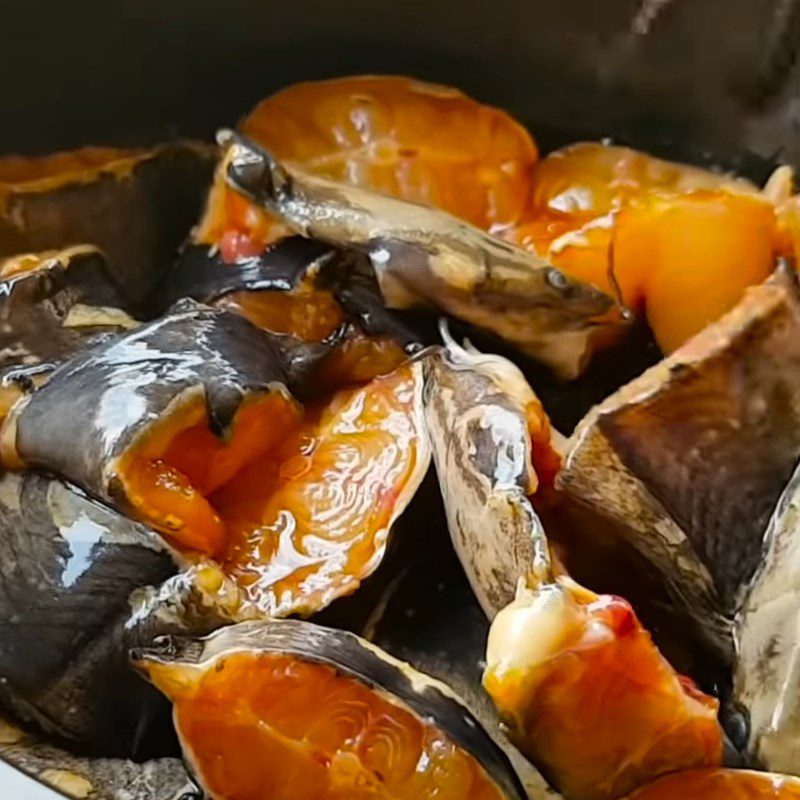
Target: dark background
<point>701,79</point>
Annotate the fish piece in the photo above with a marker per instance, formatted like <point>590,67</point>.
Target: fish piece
<point>173,410</point>
<point>53,303</point>
<point>680,244</point>
<point>487,428</point>
<point>68,568</point>
<point>586,695</point>
<point>689,459</point>
<point>91,778</point>
<point>320,714</point>
<point>398,136</point>
<point>195,430</point>
<point>578,682</point>
<point>767,636</point>
<point>721,784</point>
<point>308,523</point>
<point>137,206</point>
<point>418,141</point>
<point>426,256</point>
<point>304,288</point>
<point>309,520</point>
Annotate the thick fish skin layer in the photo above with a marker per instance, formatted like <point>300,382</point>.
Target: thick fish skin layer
<point>353,657</point>
<point>93,778</point>
<point>475,410</point>
<point>422,255</point>
<point>94,407</point>
<point>690,458</point>
<point>137,209</point>
<point>203,274</point>
<point>68,567</point>
<point>67,302</point>
<point>767,633</point>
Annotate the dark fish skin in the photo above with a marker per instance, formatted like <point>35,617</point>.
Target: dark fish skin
<point>94,406</point>
<point>93,778</point>
<point>691,457</point>
<point>352,280</point>
<point>36,331</point>
<point>201,273</point>
<point>68,567</point>
<point>355,658</point>
<point>425,256</point>
<point>138,220</point>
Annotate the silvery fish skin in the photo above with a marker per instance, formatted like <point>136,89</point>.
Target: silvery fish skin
<point>767,633</point>
<point>427,698</point>
<point>68,568</point>
<point>422,255</point>
<point>689,459</point>
<point>92,778</point>
<point>95,406</point>
<point>475,410</point>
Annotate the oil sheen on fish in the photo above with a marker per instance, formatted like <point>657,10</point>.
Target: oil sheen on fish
<point>68,568</point>
<point>422,255</point>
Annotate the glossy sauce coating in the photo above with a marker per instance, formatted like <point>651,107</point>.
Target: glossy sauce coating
<point>168,476</point>
<point>422,142</point>
<point>679,243</point>
<point>721,784</point>
<point>589,698</point>
<point>296,506</point>
<point>275,727</point>
<point>309,523</point>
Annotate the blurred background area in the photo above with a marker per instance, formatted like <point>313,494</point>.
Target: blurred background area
<point>706,80</point>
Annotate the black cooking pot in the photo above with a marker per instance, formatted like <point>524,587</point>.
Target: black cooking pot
<point>707,81</point>
<point>699,79</point>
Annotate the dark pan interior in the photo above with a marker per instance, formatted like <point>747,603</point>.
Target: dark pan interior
<point>706,80</point>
